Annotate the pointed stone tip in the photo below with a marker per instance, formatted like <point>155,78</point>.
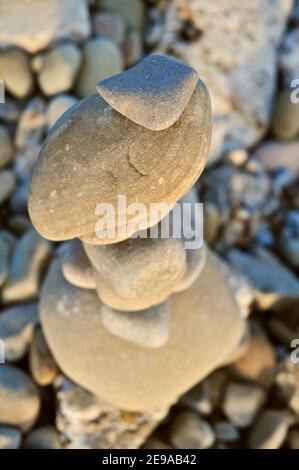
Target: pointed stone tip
<point>153,93</point>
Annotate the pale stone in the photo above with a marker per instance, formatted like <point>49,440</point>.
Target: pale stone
<point>60,68</point>
<point>10,438</point>
<point>76,267</point>
<point>259,363</point>
<point>57,106</point>
<point>101,58</point>
<point>43,437</point>
<point>73,328</point>
<point>15,69</point>
<point>274,155</point>
<point>7,184</point>
<point>131,11</point>
<point>148,328</point>
<point>34,24</point>
<point>6,147</point>
<point>285,119</point>
<point>270,430</point>
<point>42,365</point>
<point>16,329</point>
<point>19,399</point>
<point>274,283</point>
<point>109,25</point>
<point>126,282</point>
<point>28,262</point>
<point>153,94</point>
<point>189,431</point>
<point>242,402</point>
<point>92,143</point>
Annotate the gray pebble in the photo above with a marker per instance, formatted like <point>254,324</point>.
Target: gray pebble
<point>19,399</point>
<point>242,402</point>
<point>189,431</point>
<point>7,184</point>
<point>16,329</point>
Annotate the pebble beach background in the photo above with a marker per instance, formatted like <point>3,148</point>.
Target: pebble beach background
<point>52,54</point>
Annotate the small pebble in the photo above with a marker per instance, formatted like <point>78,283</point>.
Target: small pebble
<point>7,184</point>
<point>31,124</point>
<point>109,25</point>
<point>132,12</point>
<point>10,438</point>
<point>28,262</point>
<point>15,72</point>
<point>101,58</point>
<point>148,328</point>
<point>57,106</point>
<point>59,69</point>
<point>259,363</point>
<point>16,329</point>
<point>76,267</point>
<point>19,398</point>
<point>270,431</point>
<point>285,120</point>
<point>242,402</point>
<point>42,365</point>
<point>6,147</point>
<point>226,432</point>
<point>189,431</point>
<point>44,437</point>
<point>133,48</point>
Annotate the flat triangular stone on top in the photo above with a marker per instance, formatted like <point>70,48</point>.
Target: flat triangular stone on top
<point>153,93</point>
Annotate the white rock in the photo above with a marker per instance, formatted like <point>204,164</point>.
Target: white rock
<point>239,40</point>
<point>34,24</point>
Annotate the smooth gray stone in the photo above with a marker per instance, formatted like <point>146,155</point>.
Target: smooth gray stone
<point>16,329</point>
<point>76,267</point>
<point>43,437</point>
<point>10,438</point>
<point>148,328</point>
<point>28,261</point>
<point>19,398</point>
<point>153,93</point>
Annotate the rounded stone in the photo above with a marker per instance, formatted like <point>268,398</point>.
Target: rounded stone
<point>189,431</point>
<point>76,267</point>
<point>15,72</point>
<point>125,281</point>
<point>16,329</point>
<point>59,69</point>
<point>57,106</point>
<point>101,58</point>
<point>7,184</point>
<point>19,399</point>
<point>4,260</point>
<point>42,365</point>
<point>101,155</point>
<point>43,437</point>
<point>10,438</point>
<point>6,147</point>
<point>148,328</point>
<point>73,328</point>
<point>285,120</point>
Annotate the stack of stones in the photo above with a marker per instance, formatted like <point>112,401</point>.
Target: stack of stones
<point>136,321</point>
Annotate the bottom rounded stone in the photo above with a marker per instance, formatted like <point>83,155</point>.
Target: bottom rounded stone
<point>205,328</point>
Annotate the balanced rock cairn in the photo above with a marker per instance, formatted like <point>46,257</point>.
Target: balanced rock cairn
<point>136,321</point>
